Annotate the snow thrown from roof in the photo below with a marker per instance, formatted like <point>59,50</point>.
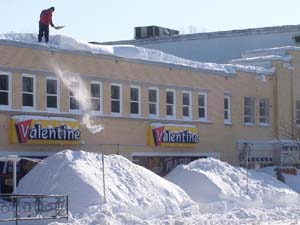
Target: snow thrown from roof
<point>129,51</point>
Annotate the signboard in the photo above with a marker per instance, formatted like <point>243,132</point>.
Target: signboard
<point>44,130</point>
<point>169,135</point>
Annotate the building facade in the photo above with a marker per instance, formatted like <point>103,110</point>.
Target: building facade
<point>158,115</point>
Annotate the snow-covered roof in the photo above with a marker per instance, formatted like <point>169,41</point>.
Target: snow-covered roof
<point>129,52</point>
<point>221,46</point>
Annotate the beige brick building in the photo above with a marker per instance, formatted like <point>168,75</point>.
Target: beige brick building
<point>208,113</point>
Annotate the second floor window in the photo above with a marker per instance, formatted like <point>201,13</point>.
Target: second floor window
<point>135,100</point>
<point>52,94</point>
<point>170,103</point>
<point>74,104</point>
<point>96,96</point>
<point>227,110</point>
<point>186,105</point>
<point>115,98</point>
<point>28,95</point>
<point>4,90</point>
<point>298,112</point>
<point>153,101</point>
<point>249,111</point>
<point>264,112</point>
<point>202,106</point>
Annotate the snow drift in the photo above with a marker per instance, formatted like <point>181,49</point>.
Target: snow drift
<point>130,189</point>
<point>217,185</point>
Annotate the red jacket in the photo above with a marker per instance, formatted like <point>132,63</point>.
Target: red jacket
<point>46,17</point>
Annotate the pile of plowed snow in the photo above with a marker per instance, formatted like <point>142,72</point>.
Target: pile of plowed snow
<point>217,185</point>
<point>130,189</point>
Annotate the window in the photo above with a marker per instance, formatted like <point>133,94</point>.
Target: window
<point>4,90</point>
<point>28,89</point>
<point>186,105</point>
<point>202,106</point>
<point>74,104</point>
<point>153,102</point>
<point>264,112</point>
<point>96,101</point>
<point>298,112</point>
<point>135,100</point>
<point>249,112</point>
<point>227,109</point>
<point>170,103</point>
<point>115,98</point>
<point>52,93</point>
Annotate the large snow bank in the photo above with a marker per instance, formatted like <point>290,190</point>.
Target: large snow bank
<point>215,184</point>
<point>130,189</point>
<point>131,51</point>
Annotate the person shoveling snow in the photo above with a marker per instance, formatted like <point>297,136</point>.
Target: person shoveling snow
<point>45,21</point>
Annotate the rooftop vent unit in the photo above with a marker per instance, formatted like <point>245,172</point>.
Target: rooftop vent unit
<point>153,31</point>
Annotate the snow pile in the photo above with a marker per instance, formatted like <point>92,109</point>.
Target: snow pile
<point>130,189</point>
<point>132,52</point>
<point>217,185</point>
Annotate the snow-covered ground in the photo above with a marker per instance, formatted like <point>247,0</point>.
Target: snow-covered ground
<point>206,191</point>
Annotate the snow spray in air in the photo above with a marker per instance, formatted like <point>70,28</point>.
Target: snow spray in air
<point>82,96</point>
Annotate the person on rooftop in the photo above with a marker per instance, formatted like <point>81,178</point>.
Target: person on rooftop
<point>45,21</point>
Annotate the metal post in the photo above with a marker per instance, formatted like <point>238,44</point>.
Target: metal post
<point>247,165</point>
<point>103,178</point>
<point>14,176</point>
<point>16,203</point>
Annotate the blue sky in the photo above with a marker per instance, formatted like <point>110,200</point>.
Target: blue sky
<point>97,20</point>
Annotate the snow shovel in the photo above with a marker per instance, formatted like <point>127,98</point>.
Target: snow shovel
<point>59,27</point>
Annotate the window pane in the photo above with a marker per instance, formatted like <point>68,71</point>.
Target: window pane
<point>95,90</point>
<point>186,99</point>
<point>169,110</point>
<point>152,96</point>
<point>134,106</point>
<point>201,100</point>
<point>51,101</point>
<point>226,115</point>
<point>96,104</point>
<point>170,97</point>
<point>74,104</point>
<point>225,103</point>
<point>52,87</point>
<point>134,94</point>
<point>152,109</point>
<point>115,106</point>
<point>115,92</point>
<point>201,112</point>
<point>4,82</point>
<point>27,100</point>
<point>27,84</point>
<point>3,98</point>
<point>186,111</point>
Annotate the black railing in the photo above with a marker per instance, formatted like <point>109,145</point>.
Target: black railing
<point>33,207</point>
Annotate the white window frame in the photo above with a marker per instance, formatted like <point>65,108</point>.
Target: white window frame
<point>189,106</point>
<point>252,111</point>
<point>228,110</point>
<point>202,107</point>
<point>73,110</point>
<point>173,105</point>
<point>154,103</point>
<point>8,106</point>
<point>100,99</point>
<point>297,113</point>
<point>120,100</point>
<point>57,95</point>
<point>267,112</point>
<point>138,101</point>
<point>29,108</point>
